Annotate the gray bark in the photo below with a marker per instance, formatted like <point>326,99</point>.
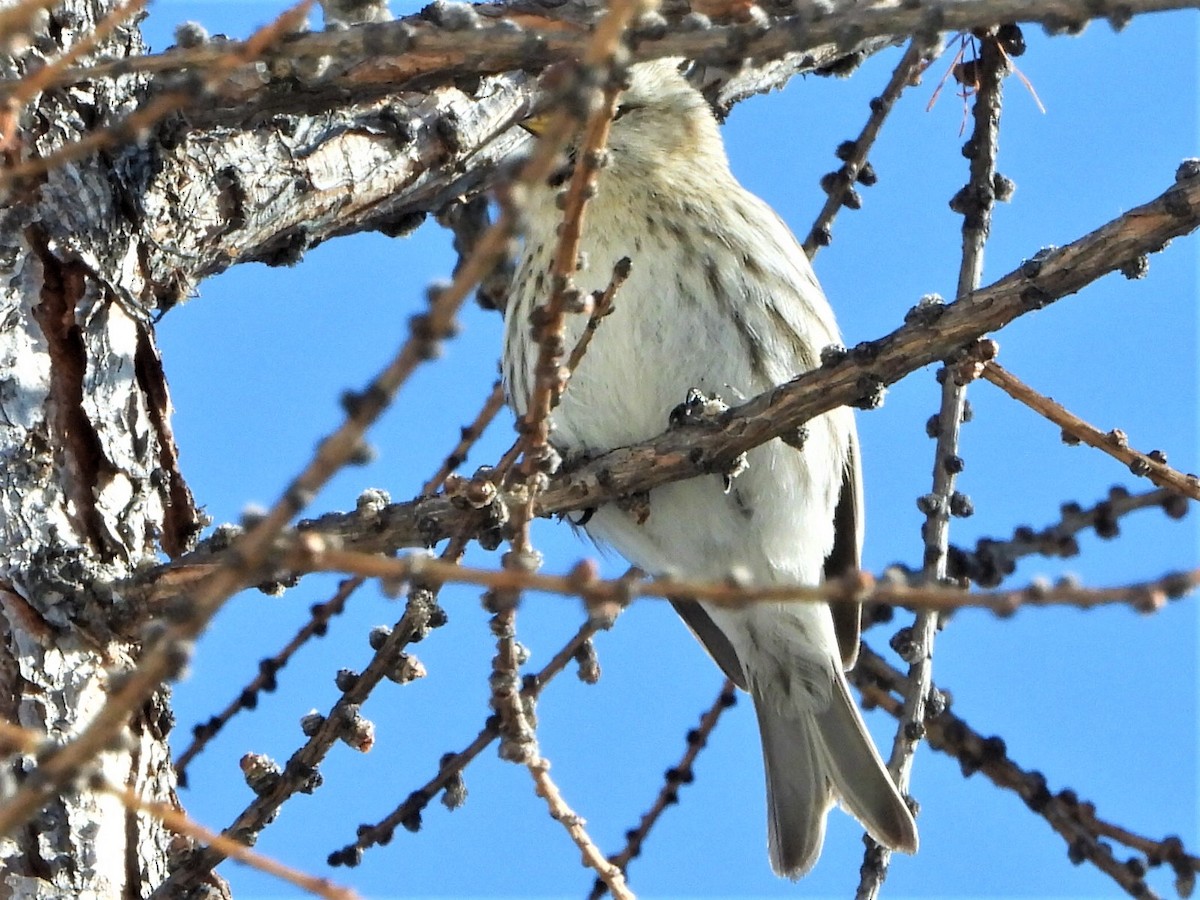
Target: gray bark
<point>88,483</point>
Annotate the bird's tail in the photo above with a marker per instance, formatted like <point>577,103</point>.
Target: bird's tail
<point>811,760</point>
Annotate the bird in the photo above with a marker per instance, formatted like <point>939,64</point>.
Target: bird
<point>720,301</point>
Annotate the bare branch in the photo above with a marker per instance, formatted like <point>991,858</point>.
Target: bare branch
<point>1152,465</point>
<point>856,377</point>
<point>975,202</point>
<point>265,680</point>
<point>839,185</point>
<point>181,824</point>
<point>680,773</point>
<point>1075,822</point>
<point>612,876</point>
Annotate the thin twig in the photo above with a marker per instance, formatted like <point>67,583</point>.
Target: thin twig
<point>975,202</point>
<point>680,773</point>
<point>268,669</point>
<point>855,587</point>
<point>603,305</point>
<point>179,823</point>
<point>839,185</point>
<point>470,434</point>
<point>593,858</point>
<point>1152,466</point>
<point>408,813</point>
<point>1065,813</point>
<point>992,560</point>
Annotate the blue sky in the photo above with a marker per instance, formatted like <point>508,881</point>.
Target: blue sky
<point>1102,702</point>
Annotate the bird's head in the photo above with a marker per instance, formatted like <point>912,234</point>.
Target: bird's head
<point>661,121</point>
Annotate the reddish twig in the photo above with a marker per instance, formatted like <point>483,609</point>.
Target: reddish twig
<point>1152,466</point>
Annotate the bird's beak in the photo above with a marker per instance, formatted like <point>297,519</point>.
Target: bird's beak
<point>536,124</point>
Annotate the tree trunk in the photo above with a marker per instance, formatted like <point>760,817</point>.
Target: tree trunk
<point>89,482</point>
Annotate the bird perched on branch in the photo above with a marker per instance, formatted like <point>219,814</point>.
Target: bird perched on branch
<point>721,302</point>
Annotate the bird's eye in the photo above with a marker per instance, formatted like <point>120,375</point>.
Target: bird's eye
<point>626,107</point>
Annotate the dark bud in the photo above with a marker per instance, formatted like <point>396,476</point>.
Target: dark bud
<point>1039,794</point>
<point>1136,268</point>
<point>401,225</point>
<point>1188,169</point>
<point>851,199</point>
<point>412,822</point>
<point>1106,522</point>
<point>871,392</point>
<point>961,505</point>
<point>1003,188</point>
<point>1011,39</point>
<point>929,504</point>
<point>347,856</point>
<point>866,175</point>
<point>1176,506</point>
<point>1140,467</point>
<point>833,182</point>
<point>189,35</point>
<point>845,150</point>
<point>953,464</point>
<point>1079,851</point>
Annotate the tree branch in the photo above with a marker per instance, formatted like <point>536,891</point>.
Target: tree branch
<point>856,377</point>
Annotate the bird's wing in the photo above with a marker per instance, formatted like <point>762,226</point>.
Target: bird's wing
<point>713,639</point>
<point>847,551</point>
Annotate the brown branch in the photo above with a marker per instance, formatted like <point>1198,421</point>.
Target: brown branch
<point>975,203</point>
<point>680,773</point>
<point>300,774</point>
<point>180,823</point>
<point>856,377</point>
<point>612,876</point>
<point>505,37</point>
<point>602,306</point>
<point>1152,466</point>
<point>948,733</point>
<point>992,559</point>
<point>855,587</point>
